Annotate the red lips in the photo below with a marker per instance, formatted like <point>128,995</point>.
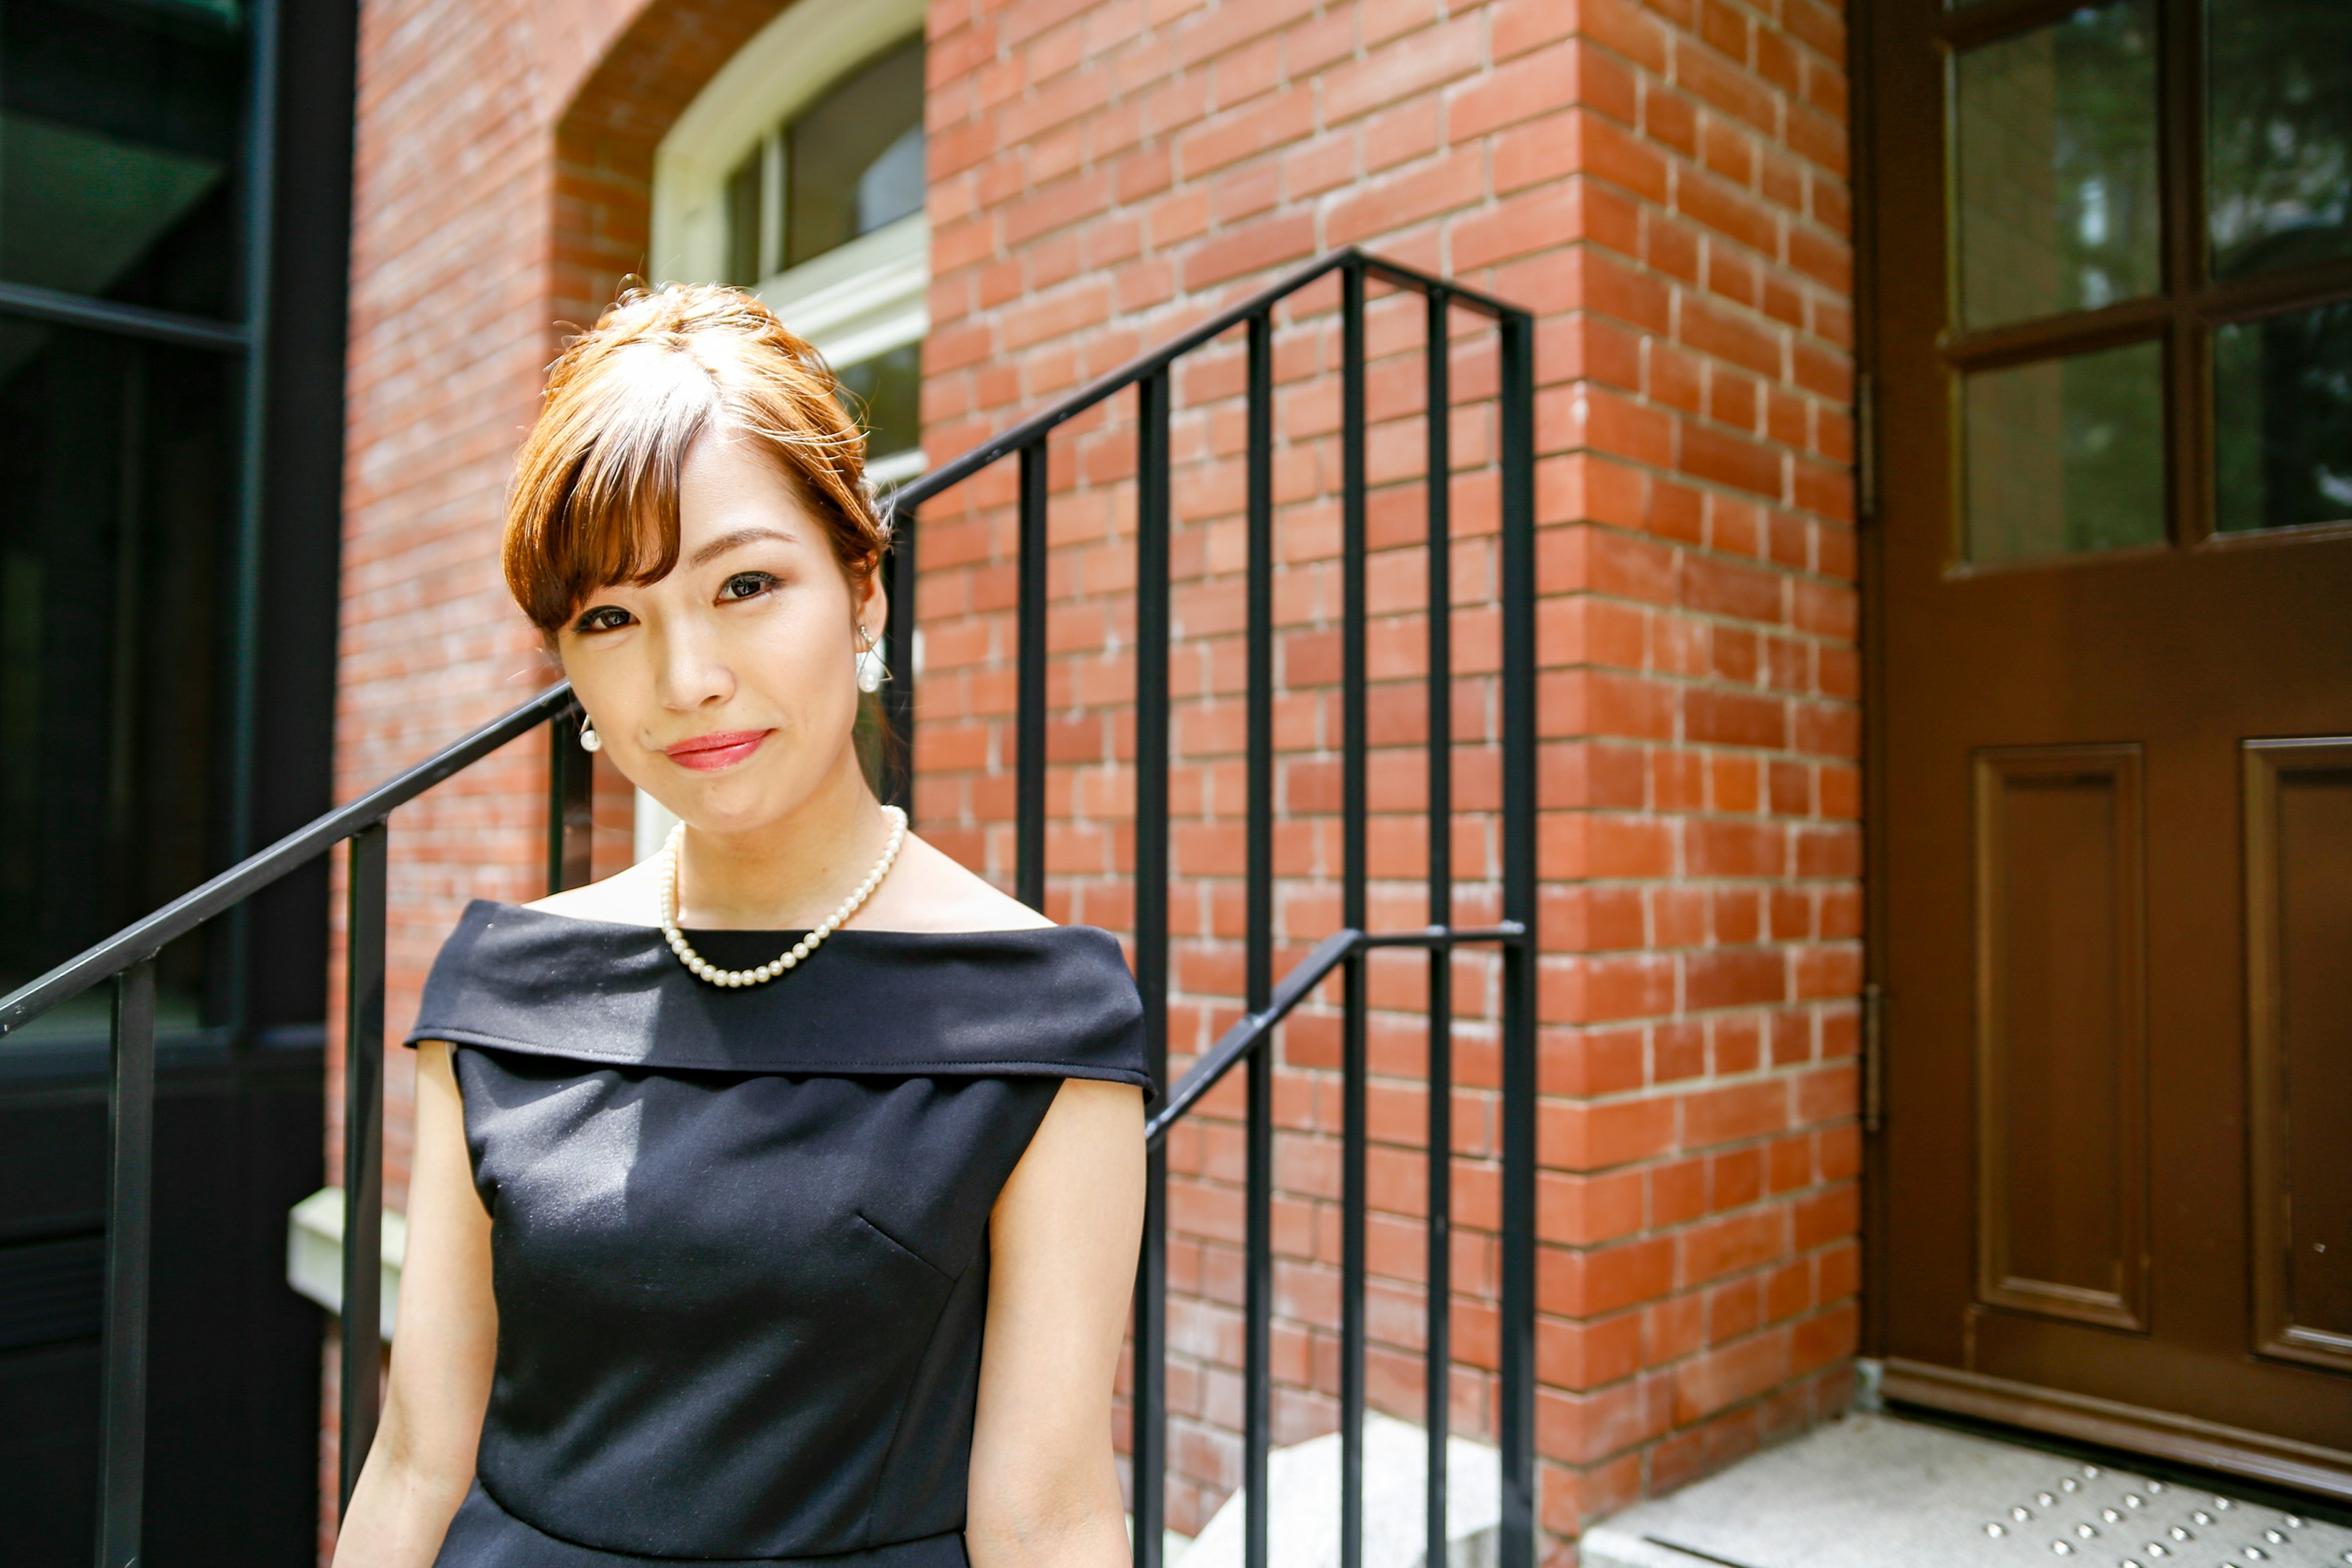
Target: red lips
<point>708,753</point>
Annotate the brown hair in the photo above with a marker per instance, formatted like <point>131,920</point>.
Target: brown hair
<point>595,491</point>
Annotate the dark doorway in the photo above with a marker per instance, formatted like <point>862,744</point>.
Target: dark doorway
<point>174,180</point>
<point>2112,327</point>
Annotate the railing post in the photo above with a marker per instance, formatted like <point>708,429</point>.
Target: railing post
<point>1257,1403</point>
<point>1440,1333</point>
<point>570,802</point>
<point>1029,720</point>
<point>1352,913</point>
<point>1517,400</point>
<point>130,1212</point>
<point>362,1334</point>
<point>1148,1442</point>
<point>899,659</point>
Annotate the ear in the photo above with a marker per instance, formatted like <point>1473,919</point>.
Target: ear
<point>870,605</point>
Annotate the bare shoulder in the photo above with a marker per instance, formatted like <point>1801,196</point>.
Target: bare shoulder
<point>928,890</point>
<point>626,898</point>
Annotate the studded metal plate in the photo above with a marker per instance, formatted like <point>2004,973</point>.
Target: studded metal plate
<point>1878,1491</point>
<point>2093,1515</point>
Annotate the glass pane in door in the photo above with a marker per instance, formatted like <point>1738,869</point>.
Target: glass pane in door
<point>2055,167</point>
<point>2278,132</point>
<point>2064,456</point>
<point>120,136</point>
<point>2283,420</point>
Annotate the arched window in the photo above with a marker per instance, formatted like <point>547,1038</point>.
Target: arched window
<point>798,173</point>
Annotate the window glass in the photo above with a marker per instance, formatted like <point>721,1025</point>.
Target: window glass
<point>2283,420</point>
<point>853,159</point>
<point>884,393</point>
<point>2055,153</point>
<point>746,189</point>
<point>114,590</point>
<point>118,150</point>
<point>2064,456</point>
<point>2278,132</point>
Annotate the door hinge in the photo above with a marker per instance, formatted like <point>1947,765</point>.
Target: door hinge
<point>1873,1064</point>
<point>1865,447</point>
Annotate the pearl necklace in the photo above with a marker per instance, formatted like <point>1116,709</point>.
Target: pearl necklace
<point>703,969</point>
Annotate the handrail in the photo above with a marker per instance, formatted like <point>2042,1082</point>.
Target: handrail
<point>144,938</point>
<point>1012,438</point>
<point>1247,1031</point>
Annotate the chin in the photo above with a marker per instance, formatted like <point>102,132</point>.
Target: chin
<point>737,804</point>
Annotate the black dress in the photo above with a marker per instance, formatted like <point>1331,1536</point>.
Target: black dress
<point>740,1237</point>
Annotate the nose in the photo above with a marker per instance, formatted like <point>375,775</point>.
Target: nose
<point>687,672</point>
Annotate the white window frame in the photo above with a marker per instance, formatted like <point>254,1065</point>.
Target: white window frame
<point>855,301</point>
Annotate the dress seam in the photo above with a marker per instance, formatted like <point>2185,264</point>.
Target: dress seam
<point>949,1067</point>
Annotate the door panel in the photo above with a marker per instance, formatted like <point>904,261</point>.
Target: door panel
<point>2061,1140</point>
<point>2112,352</point>
<point>2298,937</point>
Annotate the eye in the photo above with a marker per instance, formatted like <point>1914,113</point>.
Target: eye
<point>746,585</point>
<point>603,618</point>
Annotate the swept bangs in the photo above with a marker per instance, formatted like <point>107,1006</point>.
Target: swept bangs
<point>595,499</point>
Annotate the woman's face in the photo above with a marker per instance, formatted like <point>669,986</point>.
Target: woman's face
<point>727,690</point>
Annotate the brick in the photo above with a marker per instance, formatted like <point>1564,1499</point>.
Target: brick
<point>1258,128</point>
<point>1712,453</point>
<point>1411,64</point>
<point>1744,1110</point>
<point>1250,249</point>
<point>1439,185</point>
<point>1719,1378</point>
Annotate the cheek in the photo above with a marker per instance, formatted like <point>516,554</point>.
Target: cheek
<point>805,656</point>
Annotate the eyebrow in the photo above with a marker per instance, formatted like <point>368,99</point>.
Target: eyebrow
<point>726,542</point>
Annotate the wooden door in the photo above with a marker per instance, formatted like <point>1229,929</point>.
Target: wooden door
<point>2111,333</point>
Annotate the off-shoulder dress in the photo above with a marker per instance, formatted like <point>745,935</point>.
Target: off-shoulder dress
<point>740,1237</point>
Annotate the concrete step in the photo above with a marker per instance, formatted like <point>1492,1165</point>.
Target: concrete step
<point>1303,1481</point>
<point>1876,1492</point>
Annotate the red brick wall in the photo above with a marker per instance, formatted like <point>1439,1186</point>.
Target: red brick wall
<point>1665,185</point>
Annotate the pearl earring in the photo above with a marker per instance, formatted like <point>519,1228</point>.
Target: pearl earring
<point>870,671</point>
<point>589,740</point>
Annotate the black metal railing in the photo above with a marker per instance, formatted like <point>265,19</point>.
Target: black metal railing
<point>127,958</point>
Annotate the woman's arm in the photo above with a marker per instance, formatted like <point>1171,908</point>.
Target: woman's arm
<point>1063,1240</point>
<point>422,1461</point>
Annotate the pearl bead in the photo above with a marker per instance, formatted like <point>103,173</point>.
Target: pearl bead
<point>665,905</point>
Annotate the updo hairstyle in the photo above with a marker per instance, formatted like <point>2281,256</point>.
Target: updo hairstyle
<point>595,499</point>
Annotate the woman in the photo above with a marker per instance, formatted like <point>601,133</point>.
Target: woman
<point>779,1197</point>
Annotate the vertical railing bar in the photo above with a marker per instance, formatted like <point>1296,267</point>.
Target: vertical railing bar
<point>362,1337</point>
<point>562,737</point>
<point>1440,1333</point>
<point>1147,1400</point>
<point>898,659</point>
<point>1152,659</point>
<point>1257,1418</point>
<point>130,1216</point>
<point>1029,725</point>
<point>570,802</point>
<point>1516,399</point>
<point>1352,913</point>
